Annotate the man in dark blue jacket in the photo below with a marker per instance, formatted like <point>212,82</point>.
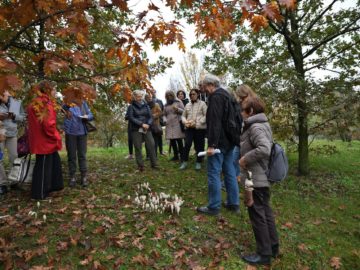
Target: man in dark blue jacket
<point>223,161</point>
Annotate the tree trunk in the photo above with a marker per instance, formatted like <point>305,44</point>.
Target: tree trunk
<point>301,99</point>
<point>41,46</point>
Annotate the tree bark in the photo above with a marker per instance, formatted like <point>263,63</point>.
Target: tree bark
<point>41,46</point>
<point>301,99</point>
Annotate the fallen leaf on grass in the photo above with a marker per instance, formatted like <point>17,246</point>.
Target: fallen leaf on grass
<point>62,246</point>
<point>302,247</point>
<point>40,267</point>
<point>143,260</point>
<point>42,240</point>
<point>250,267</point>
<point>180,253</point>
<point>335,262</point>
<point>86,261</point>
<point>201,218</point>
<point>287,225</point>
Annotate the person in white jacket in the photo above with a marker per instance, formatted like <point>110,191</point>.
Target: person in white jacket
<point>194,120</point>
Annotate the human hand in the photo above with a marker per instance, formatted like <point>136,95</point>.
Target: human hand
<point>3,116</point>
<point>11,116</point>
<point>210,151</point>
<point>145,126</point>
<point>242,162</point>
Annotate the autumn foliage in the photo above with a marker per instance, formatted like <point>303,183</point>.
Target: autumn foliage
<point>57,40</point>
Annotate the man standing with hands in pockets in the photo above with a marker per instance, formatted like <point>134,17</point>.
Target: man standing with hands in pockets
<point>223,161</point>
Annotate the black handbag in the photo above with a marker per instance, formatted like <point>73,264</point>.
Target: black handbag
<point>156,129</point>
<point>89,125</point>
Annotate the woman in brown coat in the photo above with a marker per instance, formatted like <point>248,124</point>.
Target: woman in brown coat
<point>156,113</point>
<point>172,116</point>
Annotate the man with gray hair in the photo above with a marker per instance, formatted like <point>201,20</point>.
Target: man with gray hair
<point>216,117</point>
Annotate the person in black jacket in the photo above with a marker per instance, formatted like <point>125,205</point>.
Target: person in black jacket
<point>140,117</point>
<point>216,117</point>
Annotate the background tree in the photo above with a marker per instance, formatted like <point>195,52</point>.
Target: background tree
<point>67,42</point>
<point>299,42</point>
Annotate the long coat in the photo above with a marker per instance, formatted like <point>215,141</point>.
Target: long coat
<point>44,138</point>
<point>172,118</point>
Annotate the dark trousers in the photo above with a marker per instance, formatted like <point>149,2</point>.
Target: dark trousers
<point>130,141</point>
<point>158,142</point>
<point>263,221</point>
<point>198,137</point>
<point>76,145</point>
<point>178,147</point>
<point>47,176</point>
<point>138,139</point>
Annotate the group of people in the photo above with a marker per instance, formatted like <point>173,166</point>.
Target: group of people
<point>196,119</point>
<point>205,115</point>
<point>184,121</point>
<point>44,139</point>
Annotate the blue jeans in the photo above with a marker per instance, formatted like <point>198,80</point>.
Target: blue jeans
<point>222,162</point>
<point>236,158</point>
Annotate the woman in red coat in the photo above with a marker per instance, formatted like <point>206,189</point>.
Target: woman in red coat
<point>45,142</point>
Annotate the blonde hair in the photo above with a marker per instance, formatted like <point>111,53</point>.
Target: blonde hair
<point>137,93</point>
<point>244,91</point>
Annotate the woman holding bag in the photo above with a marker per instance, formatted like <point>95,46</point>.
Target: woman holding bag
<point>256,141</point>
<point>76,138</point>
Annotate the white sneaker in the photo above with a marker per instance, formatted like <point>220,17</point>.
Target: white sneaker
<point>197,166</point>
<point>183,165</point>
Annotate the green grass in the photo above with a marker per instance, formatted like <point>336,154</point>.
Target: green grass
<point>100,228</point>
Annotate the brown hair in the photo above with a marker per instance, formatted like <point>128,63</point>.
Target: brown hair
<point>254,105</point>
<point>244,91</point>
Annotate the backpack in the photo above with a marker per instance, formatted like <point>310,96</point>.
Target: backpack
<point>278,164</point>
<point>232,119</point>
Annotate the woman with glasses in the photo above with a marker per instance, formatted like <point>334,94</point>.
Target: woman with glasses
<point>194,119</point>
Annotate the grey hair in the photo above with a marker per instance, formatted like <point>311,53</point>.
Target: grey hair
<point>211,79</point>
<point>137,93</point>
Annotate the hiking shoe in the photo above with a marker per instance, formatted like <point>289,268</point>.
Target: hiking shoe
<point>183,165</point>
<point>232,207</point>
<point>197,166</point>
<point>72,182</point>
<point>84,181</point>
<point>207,211</point>
<point>257,259</point>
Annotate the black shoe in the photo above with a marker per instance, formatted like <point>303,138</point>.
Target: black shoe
<point>84,181</point>
<point>72,182</point>
<point>232,208</point>
<point>3,190</point>
<point>255,259</point>
<point>174,159</point>
<point>275,251</point>
<point>155,167</point>
<point>207,211</point>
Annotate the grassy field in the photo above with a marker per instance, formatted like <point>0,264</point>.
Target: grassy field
<point>318,219</point>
